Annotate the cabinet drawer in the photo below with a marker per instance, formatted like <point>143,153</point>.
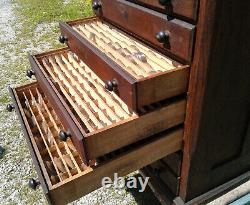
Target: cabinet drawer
<point>170,36</point>
<point>142,76</point>
<point>186,9</point>
<point>97,120</point>
<point>62,172</point>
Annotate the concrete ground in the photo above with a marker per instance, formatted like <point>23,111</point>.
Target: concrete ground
<point>16,165</point>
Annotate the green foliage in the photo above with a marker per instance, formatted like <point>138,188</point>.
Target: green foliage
<point>38,11</point>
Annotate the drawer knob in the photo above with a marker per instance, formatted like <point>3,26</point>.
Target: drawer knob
<point>30,73</point>
<point>164,2</point>
<point>10,107</point>
<point>162,36</point>
<point>33,184</point>
<point>96,5</point>
<point>63,39</point>
<point>64,135</point>
<point>111,85</point>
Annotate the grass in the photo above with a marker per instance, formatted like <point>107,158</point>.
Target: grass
<point>35,26</point>
<point>34,12</point>
<point>36,30</point>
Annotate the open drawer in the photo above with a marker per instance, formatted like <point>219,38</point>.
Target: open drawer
<point>62,173</point>
<point>168,35</point>
<point>138,74</point>
<point>97,121</point>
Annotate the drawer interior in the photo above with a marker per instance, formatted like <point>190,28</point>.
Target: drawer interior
<point>95,107</point>
<point>101,116</point>
<point>64,176</point>
<point>135,58</point>
<point>60,159</point>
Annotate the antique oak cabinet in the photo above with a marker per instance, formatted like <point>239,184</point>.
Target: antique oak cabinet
<point>157,85</point>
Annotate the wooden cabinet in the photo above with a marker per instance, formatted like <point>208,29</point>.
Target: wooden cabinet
<point>136,79</point>
<point>60,168</point>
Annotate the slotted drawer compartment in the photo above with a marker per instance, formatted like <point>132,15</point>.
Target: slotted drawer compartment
<point>98,121</point>
<point>138,74</point>
<point>62,172</point>
<point>176,38</point>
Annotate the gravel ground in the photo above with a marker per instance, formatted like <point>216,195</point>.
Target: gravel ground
<point>16,165</point>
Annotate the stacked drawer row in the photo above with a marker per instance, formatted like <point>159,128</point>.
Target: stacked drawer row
<point>108,99</point>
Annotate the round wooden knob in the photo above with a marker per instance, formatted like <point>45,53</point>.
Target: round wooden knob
<point>96,5</point>
<point>64,135</point>
<point>30,73</point>
<point>164,2</point>
<point>10,107</point>
<point>33,184</point>
<point>111,85</point>
<point>162,36</point>
<point>63,39</point>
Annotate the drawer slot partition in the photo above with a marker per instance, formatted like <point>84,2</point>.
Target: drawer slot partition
<point>37,161</point>
<point>39,119</point>
<point>82,88</point>
<point>128,17</point>
<point>136,59</point>
<point>60,159</point>
<point>101,116</point>
<point>126,58</point>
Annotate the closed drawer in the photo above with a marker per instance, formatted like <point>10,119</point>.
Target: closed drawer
<point>170,36</point>
<point>97,121</point>
<point>186,9</point>
<point>62,172</point>
<point>142,76</point>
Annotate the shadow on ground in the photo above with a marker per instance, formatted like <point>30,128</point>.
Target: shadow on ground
<point>143,198</point>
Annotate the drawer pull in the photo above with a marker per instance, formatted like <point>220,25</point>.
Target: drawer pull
<point>33,184</point>
<point>30,73</point>
<point>64,135</point>
<point>96,5</point>
<point>111,85</point>
<point>162,36</point>
<point>10,107</point>
<point>164,2</point>
<point>63,39</point>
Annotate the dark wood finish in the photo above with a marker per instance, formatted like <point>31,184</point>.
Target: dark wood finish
<point>218,110</point>
<point>129,17</point>
<point>105,140</point>
<point>220,190</point>
<point>165,198</point>
<point>186,9</point>
<point>60,106</point>
<point>101,64</point>
<point>174,162</point>
<point>126,163</point>
<point>90,179</point>
<point>135,93</point>
<point>27,133</point>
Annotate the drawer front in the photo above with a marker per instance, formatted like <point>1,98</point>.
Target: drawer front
<point>168,36</point>
<point>186,9</point>
<point>62,173</point>
<point>101,116</point>
<point>101,64</point>
<point>155,77</point>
